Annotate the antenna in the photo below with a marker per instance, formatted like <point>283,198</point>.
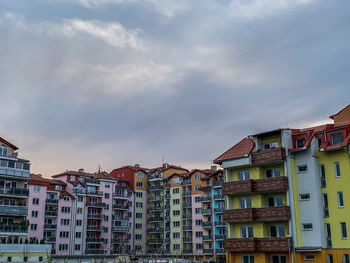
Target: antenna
<point>99,168</point>
<point>162,160</point>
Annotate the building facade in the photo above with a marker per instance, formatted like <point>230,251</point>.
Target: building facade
<point>285,194</point>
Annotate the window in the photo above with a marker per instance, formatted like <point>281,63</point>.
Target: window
<point>35,213</point>
<point>337,138</point>
<point>302,168</point>
<point>36,188</point>
<point>138,237</point>
<point>80,199</point>
<point>65,209</point>
<point>308,257</point>
<point>198,222</point>
<point>64,234</point>
<point>138,247</point>
<point>77,247</point>
<point>176,180</point>
<point>3,150</point>
<point>176,212</point>
<point>105,218</point>
<point>340,200</point>
<point>198,211</point>
<point>199,234</point>
<point>176,246</point>
<point>300,143</point>
<point>337,169</point>
<point>197,199</point>
<point>40,258</point>
<point>196,187</point>
<point>79,222</point>
<point>319,142</point>
<point>197,176</point>
<point>270,145</point>
<point>323,176</point>
<point>277,231</point>
<point>245,202</point>
<point>33,227</point>
<point>139,215</point>
<point>199,246</point>
<point>176,235</point>
<point>63,247</point>
<point>346,258</point>
<point>274,172</point>
<point>273,201</point>
<point>325,205</point>
<point>138,226</point>
<point>25,259</point>
<point>35,201</point>
<point>106,195</point>
<point>176,223</point>
<point>139,205</point>
<point>329,258</point>
<point>65,222</point>
<point>79,210</point>
<point>247,259</point>
<point>307,226</point>
<point>140,175</point>
<point>304,197</point>
<point>246,231</point>
<point>66,198</point>
<point>176,190</point>
<point>344,234</point>
<point>139,194</point>
<point>9,259</point>
<point>77,234</point>
<point>176,201</point>
<point>243,175</point>
<point>278,259</point>
<point>139,184</point>
<point>58,187</point>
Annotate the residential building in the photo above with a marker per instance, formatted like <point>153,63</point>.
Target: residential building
<point>286,194</point>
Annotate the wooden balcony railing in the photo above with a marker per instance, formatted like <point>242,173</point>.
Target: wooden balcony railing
<point>268,244</point>
<point>265,214</point>
<point>273,155</point>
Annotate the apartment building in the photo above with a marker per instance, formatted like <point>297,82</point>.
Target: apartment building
<point>158,210</point>
<point>14,194</point>
<point>82,214</point>
<point>137,178</point>
<point>285,194</point>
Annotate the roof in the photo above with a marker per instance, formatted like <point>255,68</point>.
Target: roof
<point>8,143</point>
<point>38,178</point>
<point>168,166</point>
<point>105,175</point>
<point>74,173</point>
<point>332,116</point>
<point>239,150</point>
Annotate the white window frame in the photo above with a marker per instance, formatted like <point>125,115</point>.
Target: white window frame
<point>278,228</point>
<point>309,257</point>
<point>341,231</point>
<point>273,172</point>
<point>249,257</point>
<point>245,202</point>
<point>306,195</point>
<point>245,231</point>
<point>341,135</point>
<point>300,166</point>
<point>307,229</point>
<point>279,257</point>
<point>336,170</point>
<point>340,199</point>
<point>274,201</point>
<point>245,175</point>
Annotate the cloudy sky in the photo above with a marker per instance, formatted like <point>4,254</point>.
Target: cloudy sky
<point>113,82</point>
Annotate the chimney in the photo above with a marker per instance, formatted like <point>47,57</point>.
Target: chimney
<point>81,170</point>
<point>137,165</point>
<point>213,168</point>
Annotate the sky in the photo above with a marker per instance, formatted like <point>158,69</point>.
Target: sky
<point>89,83</point>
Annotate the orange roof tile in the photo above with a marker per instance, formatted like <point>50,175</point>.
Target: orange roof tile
<point>239,150</point>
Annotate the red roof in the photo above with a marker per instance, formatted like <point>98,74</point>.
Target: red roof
<point>8,143</point>
<point>74,173</point>
<point>240,150</point>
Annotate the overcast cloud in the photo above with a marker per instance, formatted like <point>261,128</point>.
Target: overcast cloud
<point>114,82</point>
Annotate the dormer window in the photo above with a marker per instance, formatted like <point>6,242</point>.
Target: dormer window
<point>270,145</point>
<point>300,143</point>
<point>337,138</point>
<point>58,188</point>
<point>3,150</point>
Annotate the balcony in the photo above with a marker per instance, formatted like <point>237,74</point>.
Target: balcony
<point>206,199</point>
<point>95,216</point>
<point>155,219</point>
<point>187,228</point>
<point>6,171</point>
<point>51,213</point>
<point>13,210</point>
<point>220,251</point>
<point>120,240</point>
<point>94,228</point>
<point>13,228</point>
<point>120,218</point>
<point>50,226</point>
<point>167,196</point>
<point>219,197</point>
<point>155,230</point>
<point>95,251</point>
<point>269,156</point>
<point>266,185</point>
<point>51,201</point>
<point>187,205</point>
<point>220,237</point>
<point>217,184</point>
<point>167,228</point>
<point>247,245</point>
<point>96,204</point>
<point>206,212</point>
<point>155,208</point>
<point>155,198</point>
<point>187,251</point>
<point>123,229</point>
<point>155,241</point>
<point>92,181</point>
<point>186,182</point>
<point>220,224</point>
<point>94,240</point>
<point>18,192</point>
<point>50,239</point>
<point>207,238</point>
<point>219,210</point>
<point>207,224</point>
<point>155,188</point>
<point>153,178</point>
<point>187,193</point>
<point>187,240</point>
<point>188,216</point>
<point>86,192</point>
<point>208,251</point>
<point>121,207</point>
<point>121,196</point>
<point>266,214</point>
<point>167,240</point>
